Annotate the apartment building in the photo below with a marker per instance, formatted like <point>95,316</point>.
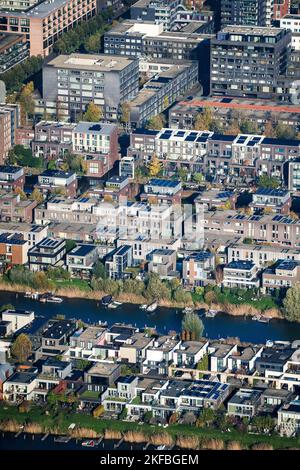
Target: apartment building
<point>160,11</point>
<point>248,61</point>
<point>45,22</point>
<point>292,22</point>
<point>175,78</point>
<point>246,12</point>
<point>9,122</point>
<point>13,50</point>
<point>75,80</point>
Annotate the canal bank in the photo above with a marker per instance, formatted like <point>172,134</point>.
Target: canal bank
<point>163,319</point>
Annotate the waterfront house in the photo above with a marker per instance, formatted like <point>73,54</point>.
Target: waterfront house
<point>118,262</point>
<point>243,359</point>
<point>219,354</point>
<point>81,259</point>
<point>288,421</point>
<point>244,403</point>
<point>20,386</point>
<point>197,268</point>
<point>47,253</point>
<point>240,274</point>
<point>160,356</point>
<point>55,338</point>
<point>190,353</point>
<point>282,275</point>
<point>163,263</point>
<point>84,340</point>
<point>133,350</point>
<point>114,399</point>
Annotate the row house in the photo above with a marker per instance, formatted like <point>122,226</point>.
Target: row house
<point>13,249</point>
<point>219,157</point>
<point>282,275</point>
<point>31,233</point>
<point>277,201</point>
<point>261,255</point>
<point>52,139</point>
<point>275,229</point>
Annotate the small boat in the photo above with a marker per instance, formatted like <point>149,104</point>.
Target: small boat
<point>28,295</point>
<point>90,443</point>
<point>188,310</point>
<point>55,300</point>
<point>211,313</point>
<point>264,319</point>
<point>143,307</point>
<point>161,447</point>
<point>62,439</point>
<point>256,317</point>
<point>152,307</point>
<point>106,300</point>
<point>114,304</point>
<point>32,295</point>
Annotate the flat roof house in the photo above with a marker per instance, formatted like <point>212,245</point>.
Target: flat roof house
<point>53,181</point>
<point>47,253</point>
<point>244,403</point>
<point>240,274</point>
<point>81,259</point>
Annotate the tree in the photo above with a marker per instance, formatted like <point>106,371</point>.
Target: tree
<point>26,100</point>
<point>154,166</point>
<point>99,270</point>
<point>233,129</point>
<point>204,120</point>
<point>156,122</point>
<point>291,304</point>
<point>21,348</point>
<point>249,127</point>
<point>266,181</point>
<point>269,130</point>
<point>125,113</point>
<point>192,324</point>
<point>6,307</point>
<point>283,131</point>
<point>207,416</point>
<point>93,113</point>
<point>37,196</point>
<point>203,364</point>
<point>51,165</point>
<point>21,193</point>
<point>156,288</point>
<point>93,43</point>
<point>198,177</point>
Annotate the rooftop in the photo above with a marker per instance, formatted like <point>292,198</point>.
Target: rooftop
<point>97,128</point>
<point>59,328</point>
<point>93,62</point>
<point>103,368</point>
<point>82,250</point>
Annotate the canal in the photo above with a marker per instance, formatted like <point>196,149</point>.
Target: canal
<point>164,319</point>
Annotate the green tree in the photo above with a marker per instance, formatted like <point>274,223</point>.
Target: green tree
<point>125,113</point>
<point>206,417</point>
<point>21,348</point>
<point>93,113</point>
<point>156,288</point>
<point>198,178</point>
<point>268,182</point>
<point>291,304</point>
<point>51,165</point>
<point>203,364</point>
<point>99,270</point>
<point>156,122</point>
<point>6,307</point>
<point>249,127</point>
<point>193,325</point>
<point>26,100</point>
<point>93,43</point>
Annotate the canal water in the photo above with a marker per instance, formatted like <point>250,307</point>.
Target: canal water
<point>164,319</point>
<point>8,441</point>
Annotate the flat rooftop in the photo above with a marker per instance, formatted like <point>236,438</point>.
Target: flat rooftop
<point>40,10</point>
<point>92,62</point>
<point>90,333</point>
<point>103,368</point>
<point>82,250</point>
<point>97,128</point>
<point>252,30</point>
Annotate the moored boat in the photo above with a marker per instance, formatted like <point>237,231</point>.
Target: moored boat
<point>152,307</point>
<point>106,300</point>
<point>143,307</point>
<point>211,313</point>
<point>90,443</point>
<point>53,299</point>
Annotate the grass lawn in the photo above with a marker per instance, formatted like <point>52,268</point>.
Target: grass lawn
<point>89,394</point>
<point>100,425</point>
<point>81,284</point>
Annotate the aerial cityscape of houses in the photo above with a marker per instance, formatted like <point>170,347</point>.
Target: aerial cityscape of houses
<point>150,155</point>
